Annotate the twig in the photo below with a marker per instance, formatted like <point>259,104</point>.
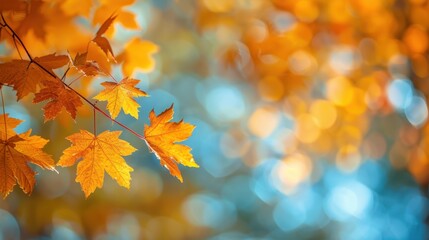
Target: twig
<point>5,24</point>
<point>4,113</point>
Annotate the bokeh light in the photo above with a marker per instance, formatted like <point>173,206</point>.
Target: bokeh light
<point>311,123</point>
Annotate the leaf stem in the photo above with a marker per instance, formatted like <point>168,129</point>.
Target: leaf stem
<point>4,112</point>
<point>17,49</point>
<point>5,24</point>
<point>95,123</point>
<point>65,73</point>
<point>14,35</point>
<point>75,79</point>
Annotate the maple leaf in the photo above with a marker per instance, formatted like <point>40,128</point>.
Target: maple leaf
<point>138,56</point>
<point>120,95</point>
<point>161,136</point>
<point>97,55</point>
<point>16,151</point>
<point>101,41</point>
<point>60,97</point>
<point>26,76</point>
<point>98,153</point>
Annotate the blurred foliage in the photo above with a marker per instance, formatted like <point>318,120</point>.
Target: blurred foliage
<point>311,124</point>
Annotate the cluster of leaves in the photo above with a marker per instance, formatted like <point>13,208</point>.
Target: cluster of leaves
<point>96,153</point>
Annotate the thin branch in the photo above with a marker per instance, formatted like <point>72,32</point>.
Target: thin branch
<point>67,86</point>
<point>14,35</point>
<point>13,39</point>
<point>114,79</point>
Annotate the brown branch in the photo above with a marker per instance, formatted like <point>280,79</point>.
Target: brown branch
<point>5,24</point>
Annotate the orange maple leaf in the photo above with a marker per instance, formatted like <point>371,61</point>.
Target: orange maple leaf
<point>96,55</point>
<point>98,153</point>
<point>76,7</point>
<point>101,41</point>
<point>88,68</point>
<point>138,56</point>
<point>17,150</point>
<point>26,76</point>
<point>161,136</point>
<point>121,95</point>
<point>60,97</point>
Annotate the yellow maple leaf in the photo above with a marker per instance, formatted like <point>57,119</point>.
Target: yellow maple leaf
<point>26,76</point>
<point>121,95</point>
<point>138,56</point>
<point>161,136</point>
<point>99,154</point>
<point>16,151</point>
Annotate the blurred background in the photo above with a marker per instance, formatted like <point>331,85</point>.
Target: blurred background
<point>311,123</point>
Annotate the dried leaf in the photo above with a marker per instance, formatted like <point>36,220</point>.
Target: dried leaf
<point>161,137</point>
